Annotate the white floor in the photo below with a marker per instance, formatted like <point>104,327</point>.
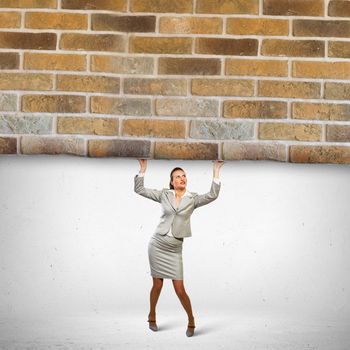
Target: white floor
<point>130,331</point>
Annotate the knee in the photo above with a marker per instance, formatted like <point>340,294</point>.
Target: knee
<point>158,286</point>
<point>181,293</point>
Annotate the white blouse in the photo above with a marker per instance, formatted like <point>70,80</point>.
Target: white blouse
<point>215,179</point>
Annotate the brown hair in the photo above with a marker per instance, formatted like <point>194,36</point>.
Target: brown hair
<point>171,176</point>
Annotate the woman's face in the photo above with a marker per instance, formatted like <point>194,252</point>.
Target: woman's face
<point>179,179</point>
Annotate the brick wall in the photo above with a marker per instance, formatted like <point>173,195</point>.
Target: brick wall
<point>201,79</point>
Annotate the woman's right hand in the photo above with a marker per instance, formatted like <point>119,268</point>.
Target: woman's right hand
<point>143,165</point>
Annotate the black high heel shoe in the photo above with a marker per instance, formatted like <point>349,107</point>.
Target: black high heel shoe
<point>153,326</point>
<point>190,329</point>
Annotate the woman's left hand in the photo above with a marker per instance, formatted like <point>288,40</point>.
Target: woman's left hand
<point>218,164</point>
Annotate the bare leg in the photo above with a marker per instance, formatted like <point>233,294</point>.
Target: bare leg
<point>154,295</point>
<point>184,298</point>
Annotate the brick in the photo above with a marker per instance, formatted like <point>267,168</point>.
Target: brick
<point>8,102</point>
<point>320,154</point>
<point>257,26</point>
<point>153,86</point>
<point>93,42</point>
<point>178,6</point>
<point>290,89</point>
<point>26,81</point>
<point>8,145</point>
<point>293,8</point>
<point>47,61</point>
<point>254,151</point>
<point>255,109</point>
<point>154,128</point>
<point>222,87</point>
<point>288,131</point>
<point>186,150</point>
<point>325,70</point>
<point>9,60</point>
<point>321,28</point>
<point>190,25</point>
<point>13,124</point>
<point>339,49</point>
<point>218,130</point>
<point>170,45</point>
<point>337,91</point>
<point>272,68</point>
<point>52,145</point>
<point>46,20</point>
<point>189,66</point>
<point>52,4</point>
<point>338,133</point>
<point>10,19</point>
<point>53,103</point>
<point>120,105</point>
<point>87,125</point>
<point>339,8</point>
<point>88,83</point>
<point>225,46</point>
<point>320,111</point>
<point>187,107</point>
<point>228,6</point>
<point>29,41</point>
<point>102,21</point>
<point>122,65</point>
<point>301,48</point>
<point>119,148</point>
<point>111,5</point>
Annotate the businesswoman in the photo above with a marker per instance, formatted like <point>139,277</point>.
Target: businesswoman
<point>165,245</point>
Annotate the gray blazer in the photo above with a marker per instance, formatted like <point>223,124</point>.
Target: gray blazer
<point>176,218</point>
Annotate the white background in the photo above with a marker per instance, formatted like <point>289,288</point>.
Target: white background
<point>74,236</point>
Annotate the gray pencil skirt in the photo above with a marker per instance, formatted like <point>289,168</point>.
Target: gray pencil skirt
<point>165,256</point>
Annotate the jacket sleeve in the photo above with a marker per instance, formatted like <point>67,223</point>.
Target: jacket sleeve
<point>145,192</point>
<point>203,199</point>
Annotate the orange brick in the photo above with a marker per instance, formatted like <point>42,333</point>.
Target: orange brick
<point>87,125</point>
<point>294,8</point>
<point>288,131</point>
<point>154,128</point>
<point>320,111</point>
<point>190,25</point>
<point>53,103</point>
<point>93,42</point>
<point>153,86</point>
<point>257,26</point>
<point>338,133</point>
<point>52,4</point>
<point>302,48</point>
<point>228,6</point>
<point>26,81</point>
<point>8,145</point>
<point>222,87</point>
<point>88,83</point>
<point>45,20</point>
<point>160,45</point>
<point>321,28</point>
<point>10,19</point>
<point>320,154</point>
<point>255,109</point>
<point>178,6</point>
<point>48,61</point>
<point>273,68</point>
<point>290,89</point>
<point>337,91</point>
<point>326,70</point>
<point>111,5</point>
<point>186,150</point>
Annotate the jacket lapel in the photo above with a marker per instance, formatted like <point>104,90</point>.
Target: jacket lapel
<point>172,200</point>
